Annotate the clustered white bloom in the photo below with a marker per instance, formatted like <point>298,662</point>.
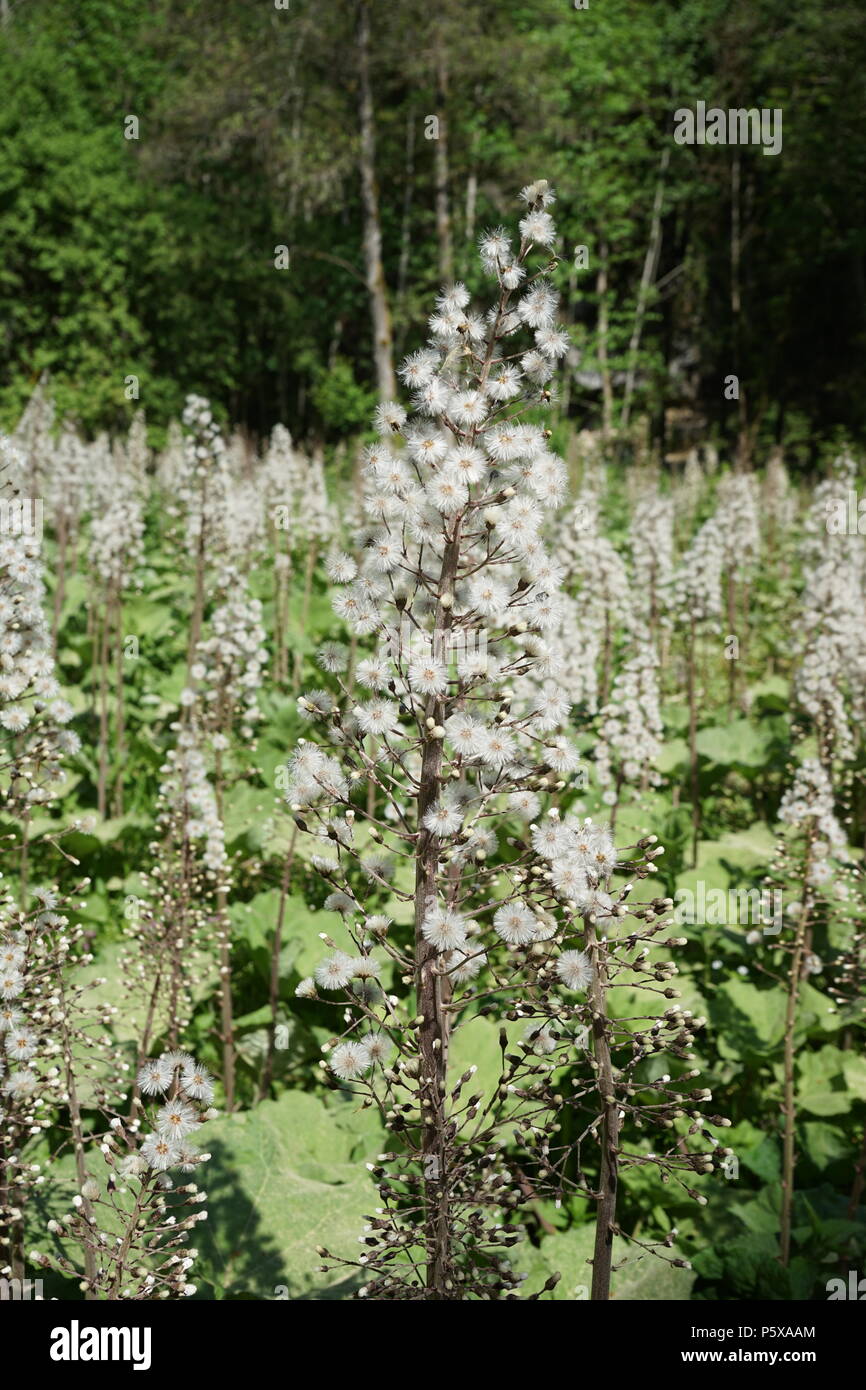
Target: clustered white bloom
<point>651,540</point>
<point>116,540</point>
<point>737,520</point>
<point>830,675</point>
<point>810,799</point>
<point>186,1090</point>
<point>185,786</point>
<point>33,711</point>
<point>228,664</point>
<point>694,593</point>
<point>630,728</point>
<point>203,482</point>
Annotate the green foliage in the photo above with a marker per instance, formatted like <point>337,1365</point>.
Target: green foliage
<point>283,1178</point>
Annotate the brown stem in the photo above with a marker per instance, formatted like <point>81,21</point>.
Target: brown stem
<point>433,1034</point>
<point>609,1167</point>
<point>102,773</point>
<point>276,948</point>
<point>24,866</point>
<point>305,613</point>
<point>60,590</point>
<point>227,1025</point>
<point>78,1148</point>
<point>144,1045</point>
<point>606,662</point>
<point>120,740</point>
<point>12,1246</point>
<point>614,810</point>
<point>200,571</point>
<point>602,336</point>
<point>123,1251</point>
<point>790,1100</point>
<point>693,743</point>
<point>732,660</point>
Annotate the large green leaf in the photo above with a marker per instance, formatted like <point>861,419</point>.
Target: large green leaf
<point>821,1087</point>
<point>640,1278</point>
<point>747,1020</point>
<point>283,1179</point>
<point>736,744</point>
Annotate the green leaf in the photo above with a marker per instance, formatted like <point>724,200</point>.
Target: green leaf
<point>283,1179</point>
<point>748,1021</point>
<point>821,1082</point>
<point>738,744</point>
<point>827,1149</point>
<point>640,1278</point>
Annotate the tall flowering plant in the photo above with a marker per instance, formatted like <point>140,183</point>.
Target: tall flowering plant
<point>812,868</point>
<point>440,800</point>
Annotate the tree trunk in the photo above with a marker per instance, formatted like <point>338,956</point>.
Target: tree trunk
<point>443,208</point>
<point>406,227</point>
<point>603,337</point>
<point>469,214</point>
<point>743,438</point>
<point>648,275</point>
<point>374,272</point>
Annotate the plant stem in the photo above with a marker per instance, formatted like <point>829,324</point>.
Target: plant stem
<point>312,552</point>
<point>609,1168</point>
<point>102,773</point>
<point>276,948</point>
<point>78,1146</point>
<point>120,749</point>
<point>693,743</point>
<point>225,965</point>
<point>790,1099</point>
<point>433,1035</point>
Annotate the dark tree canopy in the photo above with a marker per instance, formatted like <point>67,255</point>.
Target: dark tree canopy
<point>157,256</point>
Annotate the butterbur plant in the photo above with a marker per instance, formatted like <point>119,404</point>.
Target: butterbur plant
<point>135,1221</point>
<point>695,606</point>
<point>56,1050</point>
<point>483,931</point>
<point>651,540</point>
<point>810,871</point>
<point>116,531</point>
<point>170,929</point>
<point>201,489</point>
<point>630,729</point>
<point>227,672</point>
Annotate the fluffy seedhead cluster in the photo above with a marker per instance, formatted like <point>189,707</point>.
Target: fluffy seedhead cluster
<point>135,1222</point>
<point>57,1053</point>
